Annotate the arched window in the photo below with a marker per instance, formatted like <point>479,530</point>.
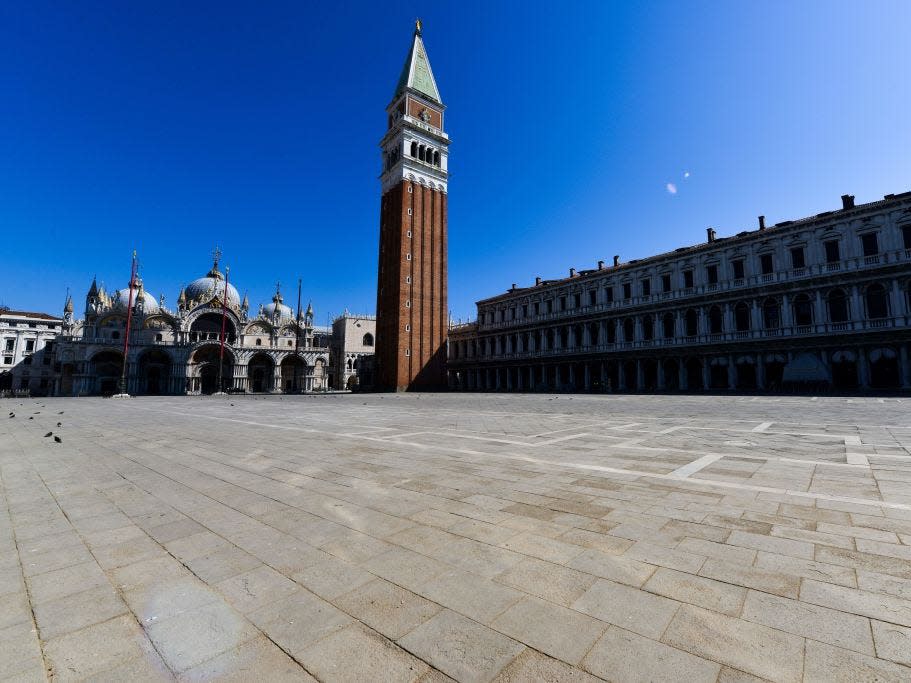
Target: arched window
<point>771,314</point>
<point>421,152</point>
<point>692,323</point>
<point>667,325</point>
<point>593,334</point>
<point>579,334</point>
<point>742,317</point>
<point>648,328</point>
<point>436,158</point>
<point>259,342</point>
<point>611,332</point>
<point>368,339</point>
<point>564,337</point>
<point>838,306</point>
<point>550,339</point>
<point>629,330</point>
<point>414,149</point>
<point>716,320</point>
<point>803,310</point>
<point>877,302</point>
<point>349,364</point>
<point>115,335</point>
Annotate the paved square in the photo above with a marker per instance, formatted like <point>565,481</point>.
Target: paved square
<point>471,537</point>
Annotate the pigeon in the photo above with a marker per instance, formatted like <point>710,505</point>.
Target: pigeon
<point>12,415</point>
<point>59,424</point>
<point>49,434</point>
<point>31,418</point>
<point>60,413</point>
<point>58,439</point>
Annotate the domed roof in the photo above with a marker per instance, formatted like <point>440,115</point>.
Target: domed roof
<point>284,312</point>
<point>120,299</point>
<point>210,286</point>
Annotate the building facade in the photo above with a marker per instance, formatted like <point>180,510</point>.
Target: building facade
<point>353,340</point>
<point>822,302</point>
<point>179,351</point>
<point>412,310</point>
<point>27,351</point>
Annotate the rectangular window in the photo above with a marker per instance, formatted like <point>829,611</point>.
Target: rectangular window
<point>592,297</point>
<point>9,344</point>
<point>549,305</point>
<point>609,294</point>
<point>906,236</point>
<point>765,264</point>
<point>646,287</point>
<point>536,307</point>
<point>8,360</point>
<point>562,303</point>
<point>797,258</point>
<point>29,344</point>
<point>512,313</point>
<point>627,290</point>
<point>666,282</point>
<point>832,252</point>
<point>524,310</point>
<point>738,269</point>
<point>870,244</point>
<point>711,274</point>
<point>577,301</point>
<point>688,279</point>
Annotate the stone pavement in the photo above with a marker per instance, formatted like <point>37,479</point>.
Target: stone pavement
<point>467,537</point>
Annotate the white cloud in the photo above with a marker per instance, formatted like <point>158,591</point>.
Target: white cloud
<point>686,174</point>
<point>671,188</point>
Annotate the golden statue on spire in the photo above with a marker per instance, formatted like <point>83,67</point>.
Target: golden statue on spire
<point>417,26</point>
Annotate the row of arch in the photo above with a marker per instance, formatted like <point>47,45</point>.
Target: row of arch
<point>424,153</point>
<point>875,302</point>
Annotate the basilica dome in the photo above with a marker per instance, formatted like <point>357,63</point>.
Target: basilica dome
<point>285,314</point>
<point>120,299</point>
<point>212,285</point>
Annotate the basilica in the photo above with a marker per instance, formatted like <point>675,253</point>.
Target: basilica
<point>180,351</point>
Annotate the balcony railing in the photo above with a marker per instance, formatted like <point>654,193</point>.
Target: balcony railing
<point>796,331</point>
<point>850,264</point>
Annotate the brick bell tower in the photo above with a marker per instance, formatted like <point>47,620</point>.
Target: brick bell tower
<point>411,307</point>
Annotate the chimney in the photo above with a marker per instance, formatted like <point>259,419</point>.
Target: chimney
<point>847,201</point>
<point>537,281</point>
<point>762,222</point>
<point>513,287</point>
<point>600,265</point>
<point>572,272</point>
<point>616,261</point>
<point>710,233</point>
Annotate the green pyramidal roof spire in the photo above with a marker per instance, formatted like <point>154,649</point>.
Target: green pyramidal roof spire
<point>416,74</point>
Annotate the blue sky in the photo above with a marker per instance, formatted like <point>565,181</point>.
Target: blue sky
<point>170,127</point>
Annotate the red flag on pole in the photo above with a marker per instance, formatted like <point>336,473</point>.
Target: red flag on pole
<point>126,338</point>
<point>224,319</point>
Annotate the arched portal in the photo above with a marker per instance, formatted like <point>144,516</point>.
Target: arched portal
<point>260,373</point>
<point>207,327</point>
<point>206,360</point>
<point>294,374</point>
<point>154,372</point>
<point>107,367</point>
<point>884,373</point>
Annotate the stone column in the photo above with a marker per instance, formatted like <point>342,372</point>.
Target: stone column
<point>903,366</point>
<point>863,369</point>
<point>760,372</point>
<point>857,309</point>
<point>621,376</point>
<point>662,383</point>
<point>897,307</point>
<point>706,374</point>
<point>786,313</point>
<point>681,372</point>
<point>640,376</point>
<point>588,378</point>
<point>732,374</point>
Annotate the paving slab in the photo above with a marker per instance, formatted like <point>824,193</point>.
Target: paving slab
<point>456,537</point>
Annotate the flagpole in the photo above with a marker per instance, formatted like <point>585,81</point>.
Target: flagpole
<point>224,318</point>
<point>297,340</point>
<point>126,338</point>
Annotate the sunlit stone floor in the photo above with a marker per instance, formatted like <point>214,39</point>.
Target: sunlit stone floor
<point>472,537</point>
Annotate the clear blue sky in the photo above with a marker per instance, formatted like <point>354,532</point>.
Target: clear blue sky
<point>170,127</point>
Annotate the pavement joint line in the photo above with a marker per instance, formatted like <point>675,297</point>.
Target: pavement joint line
<point>696,465</point>
<point>597,468</point>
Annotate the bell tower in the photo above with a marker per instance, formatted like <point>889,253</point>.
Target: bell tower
<point>411,308</point>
